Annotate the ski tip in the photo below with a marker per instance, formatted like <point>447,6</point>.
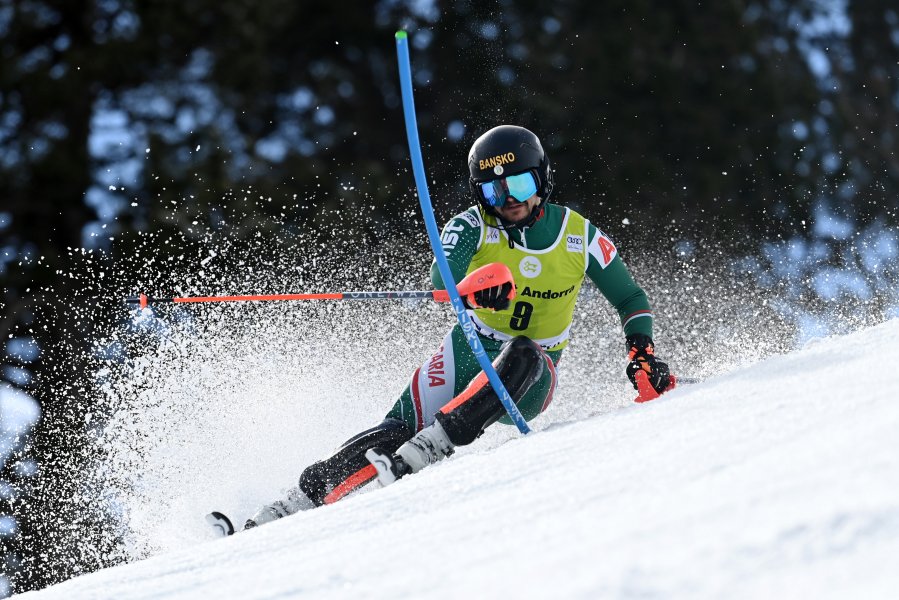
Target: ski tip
<point>645,390</point>
<point>221,523</point>
<point>647,393</point>
<point>401,35</point>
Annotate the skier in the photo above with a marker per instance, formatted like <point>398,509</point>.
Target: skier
<point>535,256</point>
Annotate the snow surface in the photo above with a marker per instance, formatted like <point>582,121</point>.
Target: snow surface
<point>777,480</point>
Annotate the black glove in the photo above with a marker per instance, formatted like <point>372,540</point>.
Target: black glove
<point>496,297</point>
<point>641,354</point>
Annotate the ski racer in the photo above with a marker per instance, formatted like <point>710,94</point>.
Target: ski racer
<point>523,324</point>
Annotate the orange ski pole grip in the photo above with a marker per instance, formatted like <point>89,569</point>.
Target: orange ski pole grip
<point>485,277</point>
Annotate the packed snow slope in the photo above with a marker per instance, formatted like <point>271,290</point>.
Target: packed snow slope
<point>778,480</point>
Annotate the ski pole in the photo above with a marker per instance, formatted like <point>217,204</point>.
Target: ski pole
<point>479,279</point>
<point>438,295</point>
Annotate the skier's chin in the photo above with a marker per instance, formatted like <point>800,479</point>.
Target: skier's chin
<point>516,212</point>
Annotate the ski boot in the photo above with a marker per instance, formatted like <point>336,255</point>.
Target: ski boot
<point>295,502</point>
<point>426,447</point>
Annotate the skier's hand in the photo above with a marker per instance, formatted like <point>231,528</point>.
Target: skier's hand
<point>641,354</point>
<point>490,286</point>
<point>497,297</point>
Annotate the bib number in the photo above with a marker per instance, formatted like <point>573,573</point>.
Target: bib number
<point>521,316</point>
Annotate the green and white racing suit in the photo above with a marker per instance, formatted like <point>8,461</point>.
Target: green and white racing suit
<point>548,262</point>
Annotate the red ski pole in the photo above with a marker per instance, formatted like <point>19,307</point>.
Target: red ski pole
<point>487,276</point>
<point>439,295</point>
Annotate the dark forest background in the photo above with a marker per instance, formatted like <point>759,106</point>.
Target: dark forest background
<point>733,121</point>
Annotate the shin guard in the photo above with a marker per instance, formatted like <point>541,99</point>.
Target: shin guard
<point>519,365</point>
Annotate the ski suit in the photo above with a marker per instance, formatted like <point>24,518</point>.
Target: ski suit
<point>548,261</point>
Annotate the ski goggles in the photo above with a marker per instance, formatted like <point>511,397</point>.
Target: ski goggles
<point>521,187</point>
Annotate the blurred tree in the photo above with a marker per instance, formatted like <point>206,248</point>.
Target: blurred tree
<point>837,271</point>
<point>44,119</point>
<point>866,99</point>
<point>656,113</point>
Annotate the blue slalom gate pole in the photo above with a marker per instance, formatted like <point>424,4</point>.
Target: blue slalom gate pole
<point>418,169</point>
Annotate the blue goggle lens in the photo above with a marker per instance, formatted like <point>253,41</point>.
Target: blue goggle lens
<point>521,187</point>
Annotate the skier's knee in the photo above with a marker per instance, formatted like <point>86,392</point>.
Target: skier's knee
<point>320,479</point>
<point>520,365</point>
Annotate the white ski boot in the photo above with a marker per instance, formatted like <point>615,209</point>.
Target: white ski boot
<point>295,502</point>
<point>426,447</point>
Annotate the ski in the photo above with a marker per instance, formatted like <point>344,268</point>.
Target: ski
<point>221,523</point>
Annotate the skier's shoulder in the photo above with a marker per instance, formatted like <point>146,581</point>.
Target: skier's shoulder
<point>469,218</point>
<point>563,217</point>
<point>556,210</point>
<point>575,217</point>
<point>599,245</point>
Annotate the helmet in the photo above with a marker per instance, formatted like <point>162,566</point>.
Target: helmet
<point>509,150</point>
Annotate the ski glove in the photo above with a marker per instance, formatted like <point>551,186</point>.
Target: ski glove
<point>497,297</point>
<point>641,354</point>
